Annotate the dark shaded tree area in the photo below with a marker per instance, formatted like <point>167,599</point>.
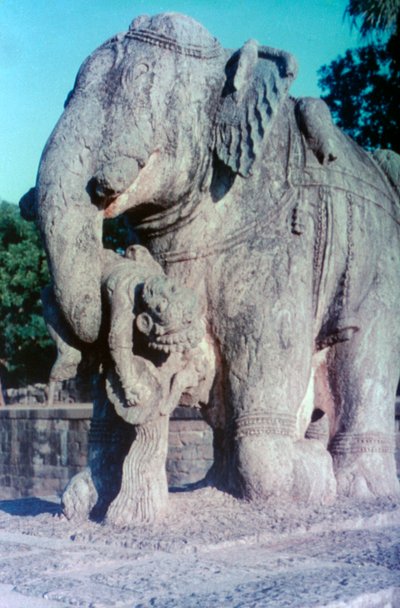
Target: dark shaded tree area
<point>115,234</point>
<point>362,88</point>
<point>26,350</point>
<point>373,16</point>
<point>25,346</point>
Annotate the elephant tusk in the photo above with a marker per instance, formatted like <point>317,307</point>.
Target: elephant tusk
<point>140,188</point>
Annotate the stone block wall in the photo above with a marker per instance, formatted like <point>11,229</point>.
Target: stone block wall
<point>42,448</point>
<point>76,390</point>
<point>190,451</point>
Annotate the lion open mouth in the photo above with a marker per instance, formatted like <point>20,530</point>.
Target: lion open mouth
<point>178,340</point>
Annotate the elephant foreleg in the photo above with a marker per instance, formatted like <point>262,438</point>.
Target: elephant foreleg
<point>272,460</point>
<point>274,463</point>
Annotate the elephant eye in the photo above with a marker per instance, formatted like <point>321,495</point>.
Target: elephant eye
<point>140,69</point>
<point>132,73</point>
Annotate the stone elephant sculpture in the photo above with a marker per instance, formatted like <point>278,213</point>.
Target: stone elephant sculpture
<point>286,229</point>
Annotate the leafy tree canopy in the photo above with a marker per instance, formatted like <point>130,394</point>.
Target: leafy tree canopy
<point>362,88</point>
<point>373,16</point>
<point>24,342</point>
<point>115,234</point>
<point>25,346</point>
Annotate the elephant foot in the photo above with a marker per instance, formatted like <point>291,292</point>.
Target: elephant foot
<point>265,466</point>
<point>278,468</point>
<point>79,496</point>
<point>314,480</point>
<point>367,476</point>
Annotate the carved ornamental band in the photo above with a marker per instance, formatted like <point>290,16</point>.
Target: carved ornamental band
<point>195,51</point>
<point>358,443</point>
<point>264,424</point>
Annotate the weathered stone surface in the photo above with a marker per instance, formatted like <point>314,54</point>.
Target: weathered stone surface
<point>286,232</point>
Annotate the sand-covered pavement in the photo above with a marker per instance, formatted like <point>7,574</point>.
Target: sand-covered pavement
<point>211,551</point>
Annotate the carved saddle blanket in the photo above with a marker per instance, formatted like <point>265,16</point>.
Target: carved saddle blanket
<point>350,200</point>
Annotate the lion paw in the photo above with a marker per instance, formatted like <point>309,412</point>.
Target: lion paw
<point>79,496</point>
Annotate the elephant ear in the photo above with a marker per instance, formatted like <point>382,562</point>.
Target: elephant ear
<point>258,81</point>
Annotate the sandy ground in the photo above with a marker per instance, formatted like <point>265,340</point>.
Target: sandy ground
<point>211,551</point>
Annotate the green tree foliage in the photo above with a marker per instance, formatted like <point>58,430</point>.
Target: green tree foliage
<point>362,93</point>
<point>24,342</point>
<point>115,234</point>
<point>362,88</point>
<point>25,345</point>
<point>373,16</point>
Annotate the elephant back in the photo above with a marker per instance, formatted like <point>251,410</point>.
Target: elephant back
<point>389,162</point>
<point>369,178</point>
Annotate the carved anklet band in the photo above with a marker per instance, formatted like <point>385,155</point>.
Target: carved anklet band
<point>359,443</point>
<point>265,424</point>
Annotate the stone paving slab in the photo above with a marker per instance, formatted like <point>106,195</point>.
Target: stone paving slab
<point>212,551</point>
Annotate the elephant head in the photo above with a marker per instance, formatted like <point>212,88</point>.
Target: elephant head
<point>151,111</point>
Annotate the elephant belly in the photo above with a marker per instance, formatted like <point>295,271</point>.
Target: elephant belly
<point>260,310</point>
<point>355,232</point>
<point>354,260</point>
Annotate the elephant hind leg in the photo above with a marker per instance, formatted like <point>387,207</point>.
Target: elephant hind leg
<point>363,374</point>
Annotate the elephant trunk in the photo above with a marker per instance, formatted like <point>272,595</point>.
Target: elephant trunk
<point>71,228</point>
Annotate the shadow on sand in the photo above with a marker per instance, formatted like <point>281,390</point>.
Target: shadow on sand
<point>30,506</point>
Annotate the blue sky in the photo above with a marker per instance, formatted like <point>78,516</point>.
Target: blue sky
<point>43,43</point>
